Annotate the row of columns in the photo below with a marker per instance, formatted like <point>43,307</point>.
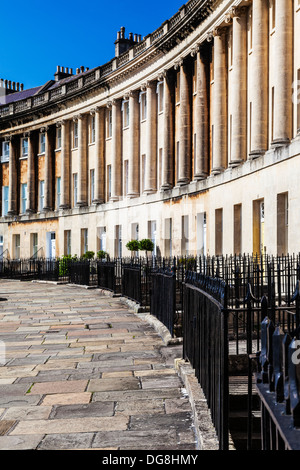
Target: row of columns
<point>219,137</point>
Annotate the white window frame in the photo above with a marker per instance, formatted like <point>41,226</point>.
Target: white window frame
<point>92,130</point>
<point>58,138</point>
<point>42,143</point>
<point>92,185</point>
<point>25,147</point>
<point>125,112</point>
<point>75,189</point>
<point>58,191</point>
<point>5,196</point>
<point>160,97</point>
<point>143,105</point>
<point>5,151</point>
<point>75,135</point>
<point>41,195</point>
<point>24,196</point>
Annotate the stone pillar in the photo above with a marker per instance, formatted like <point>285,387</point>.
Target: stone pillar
<point>65,164</point>
<point>116,164</point>
<point>239,87</point>
<point>48,203</point>
<point>31,174</point>
<point>201,152</point>
<point>219,103</point>
<point>82,160</point>
<point>259,77</point>
<point>134,145</point>
<point>283,106</point>
<point>100,156</point>
<point>184,158</point>
<point>168,150</point>
<point>12,190</point>
<point>151,136</point>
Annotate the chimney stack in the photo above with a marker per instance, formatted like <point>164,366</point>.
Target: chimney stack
<point>122,44</point>
<point>10,87</point>
<point>62,72</point>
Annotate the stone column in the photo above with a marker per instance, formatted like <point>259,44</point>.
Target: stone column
<point>134,145</point>
<point>283,106</point>
<point>259,77</point>
<point>48,203</point>
<point>201,152</point>
<point>82,160</point>
<point>219,102</point>
<point>65,164</point>
<point>31,173</point>
<point>12,168</point>
<point>100,156</point>
<point>239,87</point>
<point>184,157</point>
<point>168,150</point>
<point>116,164</point>
<point>151,136</point>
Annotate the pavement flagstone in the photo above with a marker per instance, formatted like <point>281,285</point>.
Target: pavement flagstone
<point>82,371</point>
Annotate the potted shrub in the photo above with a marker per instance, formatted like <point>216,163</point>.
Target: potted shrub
<point>146,245</point>
<point>133,245</point>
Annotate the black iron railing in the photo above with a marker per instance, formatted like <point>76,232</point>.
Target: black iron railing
<point>205,346</point>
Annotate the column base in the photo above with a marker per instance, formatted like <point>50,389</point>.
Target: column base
<point>64,206</point>
<point>200,176</point>
<point>217,171</point>
<point>183,181</point>
<point>165,187</point>
<point>11,213</point>
<point>132,195</point>
<point>235,163</point>
<point>97,201</point>
<point>81,204</point>
<point>149,191</point>
<point>280,142</point>
<point>29,211</point>
<point>47,209</point>
<point>256,153</point>
<point>114,198</point>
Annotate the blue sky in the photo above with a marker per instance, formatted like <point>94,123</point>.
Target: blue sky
<point>37,36</point>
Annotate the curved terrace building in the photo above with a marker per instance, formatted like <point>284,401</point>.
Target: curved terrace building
<point>189,136</point>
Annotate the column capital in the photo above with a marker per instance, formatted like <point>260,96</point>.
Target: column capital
<point>178,64</point>
<point>195,50</point>
<point>162,75</point>
<point>78,117</point>
<point>44,129</point>
<point>133,94</point>
<point>234,12</point>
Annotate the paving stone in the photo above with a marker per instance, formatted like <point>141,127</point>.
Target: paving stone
<point>74,386</point>
<point>105,408</point>
<point>20,442</point>
<point>13,390</point>
<point>67,441</point>
<point>5,426</point>
<point>115,383</point>
<point>136,394</point>
<point>140,407</point>
<point>176,421</point>
<point>27,412</point>
<point>66,426</point>
<point>66,398</point>
<point>136,439</point>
